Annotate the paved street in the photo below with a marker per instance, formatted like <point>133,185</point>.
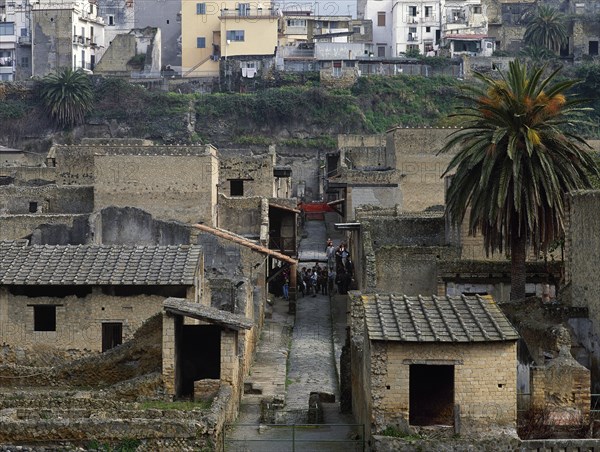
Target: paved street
<point>311,368</point>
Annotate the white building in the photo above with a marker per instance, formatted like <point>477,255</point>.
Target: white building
<point>15,40</point>
<point>66,34</point>
<point>401,26</point>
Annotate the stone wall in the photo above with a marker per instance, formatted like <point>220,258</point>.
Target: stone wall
<point>25,175</point>
<point>409,270</point>
<point>78,319</point>
<point>129,225</point>
<point>170,187</point>
<point>46,229</point>
<point>242,216</point>
<point>365,151</point>
<point>53,37</point>
<point>256,171</point>
<point>419,166</point>
<point>47,198</point>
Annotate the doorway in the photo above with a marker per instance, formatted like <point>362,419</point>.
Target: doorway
<point>431,394</point>
<point>199,356</point>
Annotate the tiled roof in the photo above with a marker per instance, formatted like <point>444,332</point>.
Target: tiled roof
<point>98,264</point>
<point>436,319</point>
<point>207,313</point>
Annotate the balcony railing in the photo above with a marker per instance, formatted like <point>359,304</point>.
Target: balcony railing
<point>249,14</point>
<point>25,40</point>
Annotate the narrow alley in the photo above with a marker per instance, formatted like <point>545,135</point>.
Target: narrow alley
<point>293,360</point>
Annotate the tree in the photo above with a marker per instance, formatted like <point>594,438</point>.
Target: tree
<point>67,96</point>
<point>546,29</point>
<point>536,54</point>
<point>515,161</point>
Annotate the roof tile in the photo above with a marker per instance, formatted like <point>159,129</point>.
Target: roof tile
<point>395,317</point>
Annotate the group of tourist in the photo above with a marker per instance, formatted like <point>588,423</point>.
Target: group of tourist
<point>338,271</point>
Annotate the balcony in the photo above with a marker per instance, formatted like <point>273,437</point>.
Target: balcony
<point>412,37</point>
<point>25,40</point>
<point>8,39</point>
<point>249,14</point>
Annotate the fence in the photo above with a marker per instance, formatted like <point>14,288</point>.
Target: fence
<point>295,437</point>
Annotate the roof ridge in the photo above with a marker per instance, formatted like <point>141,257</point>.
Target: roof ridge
<point>436,336</point>
<point>489,316</point>
<point>460,319</point>
<point>477,322</point>
<point>439,310</point>
<point>412,318</point>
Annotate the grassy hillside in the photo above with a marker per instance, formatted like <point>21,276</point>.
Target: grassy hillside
<point>303,115</point>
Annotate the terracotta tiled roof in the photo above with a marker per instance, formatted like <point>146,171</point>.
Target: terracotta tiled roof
<point>435,319</point>
<point>98,264</point>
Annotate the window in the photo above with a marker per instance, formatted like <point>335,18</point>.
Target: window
<point>593,48</point>
<point>412,11</point>
<point>23,32</point>
<point>235,35</point>
<point>24,61</point>
<point>244,9</point>
<point>236,187</point>
<point>33,206</point>
<point>200,8</point>
<point>7,29</point>
<point>412,29</point>
<point>427,29</point>
<point>296,23</point>
<point>428,11</point>
<point>201,42</point>
<point>477,9</point>
<point>381,51</point>
<point>111,20</point>
<point>44,318</point>
<point>381,19</point>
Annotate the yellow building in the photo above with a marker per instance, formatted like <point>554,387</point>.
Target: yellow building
<point>212,31</point>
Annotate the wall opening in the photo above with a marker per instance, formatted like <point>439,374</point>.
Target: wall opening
<point>33,207</point>
<point>431,395</point>
<point>132,291</point>
<point>236,187</point>
<point>44,318</point>
<point>50,291</point>
<point>199,356</point>
<point>112,335</point>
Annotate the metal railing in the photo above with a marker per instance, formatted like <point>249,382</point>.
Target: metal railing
<point>295,437</point>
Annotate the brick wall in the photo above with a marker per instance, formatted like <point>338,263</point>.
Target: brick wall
<point>485,381</point>
<point>14,227</point>
<point>255,170</point>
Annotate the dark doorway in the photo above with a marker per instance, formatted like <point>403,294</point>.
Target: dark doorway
<point>593,48</point>
<point>431,395</point>
<point>112,335</point>
<point>199,356</point>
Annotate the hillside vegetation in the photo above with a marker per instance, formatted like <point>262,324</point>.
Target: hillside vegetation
<point>292,114</point>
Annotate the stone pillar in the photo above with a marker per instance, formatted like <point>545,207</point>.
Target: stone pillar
<point>168,353</point>
<point>229,359</point>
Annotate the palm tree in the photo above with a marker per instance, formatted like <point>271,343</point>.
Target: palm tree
<point>67,96</point>
<point>546,29</point>
<point>536,54</point>
<point>515,162</point>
